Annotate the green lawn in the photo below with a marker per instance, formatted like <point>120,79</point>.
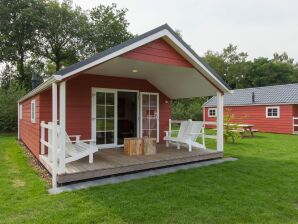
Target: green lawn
<point>261,187</point>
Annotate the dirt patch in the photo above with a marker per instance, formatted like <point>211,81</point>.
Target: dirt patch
<point>37,166</point>
<point>18,183</point>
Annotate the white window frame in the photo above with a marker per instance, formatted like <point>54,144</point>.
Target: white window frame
<point>21,111</point>
<point>33,111</point>
<point>210,109</point>
<point>141,113</point>
<point>94,90</point>
<point>278,112</point>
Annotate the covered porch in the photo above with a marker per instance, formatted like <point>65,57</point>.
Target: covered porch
<point>114,161</point>
<point>155,68</point>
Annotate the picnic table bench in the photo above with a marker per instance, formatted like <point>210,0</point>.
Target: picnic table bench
<point>243,129</point>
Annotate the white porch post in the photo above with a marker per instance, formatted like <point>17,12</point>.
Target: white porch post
<point>220,122</point>
<point>62,122</point>
<point>54,135</point>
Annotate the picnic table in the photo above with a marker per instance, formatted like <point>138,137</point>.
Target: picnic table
<point>244,128</point>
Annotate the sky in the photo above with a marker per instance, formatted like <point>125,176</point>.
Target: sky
<point>258,27</point>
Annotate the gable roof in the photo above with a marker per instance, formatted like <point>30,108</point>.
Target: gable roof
<point>279,94</point>
<point>164,31</point>
<point>91,61</point>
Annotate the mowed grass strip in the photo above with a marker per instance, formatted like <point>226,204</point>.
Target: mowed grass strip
<point>261,187</point>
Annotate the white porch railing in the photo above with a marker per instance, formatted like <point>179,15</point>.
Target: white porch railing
<point>51,144</point>
<point>46,140</point>
<point>295,125</point>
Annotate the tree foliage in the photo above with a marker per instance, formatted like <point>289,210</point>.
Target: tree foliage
<point>8,106</point>
<point>108,27</point>
<point>60,39</point>
<point>19,24</point>
<point>239,72</point>
<point>183,109</point>
<point>45,36</point>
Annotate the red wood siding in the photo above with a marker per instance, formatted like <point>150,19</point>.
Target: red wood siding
<point>78,100</point>
<point>257,115</point>
<point>29,132</point>
<point>158,51</point>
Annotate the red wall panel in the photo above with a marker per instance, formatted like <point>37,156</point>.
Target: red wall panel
<point>29,132</point>
<point>78,100</point>
<point>257,115</point>
<point>158,51</point>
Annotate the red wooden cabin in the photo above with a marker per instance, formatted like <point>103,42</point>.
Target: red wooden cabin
<point>125,91</point>
<point>271,109</point>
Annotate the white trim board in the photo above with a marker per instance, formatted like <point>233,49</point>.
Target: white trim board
<point>163,33</point>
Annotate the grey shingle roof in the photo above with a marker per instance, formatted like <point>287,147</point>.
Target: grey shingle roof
<point>279,94</point>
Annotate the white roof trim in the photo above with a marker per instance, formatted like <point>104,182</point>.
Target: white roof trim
<point>155,36</point>
<point>39,88</point>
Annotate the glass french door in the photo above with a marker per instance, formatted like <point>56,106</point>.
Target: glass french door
<point>150,115</point>
<point>105,117</point>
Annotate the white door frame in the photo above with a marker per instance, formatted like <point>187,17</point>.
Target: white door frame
<point>93,113</point>
<point>141,113</point>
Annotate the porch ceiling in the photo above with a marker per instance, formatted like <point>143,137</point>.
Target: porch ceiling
<point>176,82</point>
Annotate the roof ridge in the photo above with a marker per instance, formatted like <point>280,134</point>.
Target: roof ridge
<point>270,86</point>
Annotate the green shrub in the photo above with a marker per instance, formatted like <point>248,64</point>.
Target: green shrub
<point>184,109</point>
<point>9,107</point>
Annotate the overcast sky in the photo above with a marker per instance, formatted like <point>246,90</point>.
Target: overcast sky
<point>258,27</point>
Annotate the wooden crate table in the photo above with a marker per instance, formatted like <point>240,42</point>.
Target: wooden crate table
<point>140,146</point>
<point>133,146</point>
<point>149,146</point>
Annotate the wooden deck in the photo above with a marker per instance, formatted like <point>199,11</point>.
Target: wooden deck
<point>109,162</point>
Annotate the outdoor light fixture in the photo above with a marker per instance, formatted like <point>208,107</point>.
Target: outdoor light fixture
<point>135,70</point>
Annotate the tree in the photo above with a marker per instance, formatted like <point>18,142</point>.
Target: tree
<point>19,24</point>
<point>61,35</point>
<point>239,72</point>
<point>183,109</point>
<point>266,72</point>
<point>230,64</point>
<point>108,27</point>
<point>8,106</point>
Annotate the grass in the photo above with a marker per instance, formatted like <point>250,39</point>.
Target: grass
<point>261,187</point>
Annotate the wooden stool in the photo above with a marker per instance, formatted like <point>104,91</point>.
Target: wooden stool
<point>149,146</point>
<point>133,146</point>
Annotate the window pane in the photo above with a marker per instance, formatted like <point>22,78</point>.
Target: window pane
<point>109,137</point>
<point>145,99</point>
<point>153,134</point>
<point>145,133</point>
<point>100,111</point>
<point>109,125</point>
<point>153,124</point>
<point>100,125</point>
<point>109,98</point>
<point>100,138</point>
<point>146,111</point>
<point>110,112</point>
<point>100,98</point>
<point>153,100</point>
<point>145,123</point>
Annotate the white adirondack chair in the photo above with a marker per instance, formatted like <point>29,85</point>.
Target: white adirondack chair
<point>74,150</point>
<point>77,149</point>
<point>182,134</point>
<point>189,134</point>
<point>196,129</point>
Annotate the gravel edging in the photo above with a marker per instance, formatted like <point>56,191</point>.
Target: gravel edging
<point>36,165</point>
